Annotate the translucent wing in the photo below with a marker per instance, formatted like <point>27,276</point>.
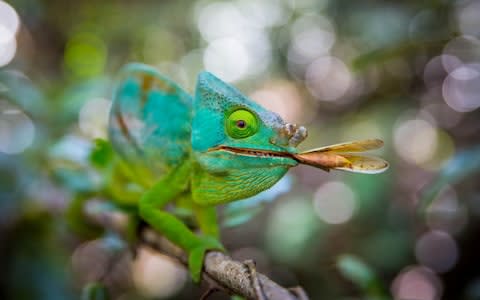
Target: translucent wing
<point>149,122</point>
<point>364,164</point>
<point>355,146</point>
<point>337,157</point>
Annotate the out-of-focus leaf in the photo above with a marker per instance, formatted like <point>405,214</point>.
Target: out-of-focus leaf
<point>463,164</point>
<point>78,180</point>
<point>379,56</point>
<point>94,291</point>
<point>358,272</point>
<point>20,89</point>
<point>70,164</point>
<point>71,148</point>
<point>355,270</point>
<point>77,94</point>
<point>76,220</point>
<point>102,153</point>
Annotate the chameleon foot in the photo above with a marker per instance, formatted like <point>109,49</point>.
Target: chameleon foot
<point>252,269</point>
<point>197,254</point>
<point>298,292</point>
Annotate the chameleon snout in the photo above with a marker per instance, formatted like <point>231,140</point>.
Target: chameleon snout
<point>290,135</point>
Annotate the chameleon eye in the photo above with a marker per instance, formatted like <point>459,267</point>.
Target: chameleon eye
<point>241,124</point>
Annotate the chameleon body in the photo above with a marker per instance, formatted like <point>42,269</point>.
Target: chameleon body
<point>202,151</point>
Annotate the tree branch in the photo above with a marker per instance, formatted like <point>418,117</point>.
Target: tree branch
<point>221,271</point>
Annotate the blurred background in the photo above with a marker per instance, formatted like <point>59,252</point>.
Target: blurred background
<point>407,72</point>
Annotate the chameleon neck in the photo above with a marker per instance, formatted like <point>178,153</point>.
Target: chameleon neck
<point>218,188</point>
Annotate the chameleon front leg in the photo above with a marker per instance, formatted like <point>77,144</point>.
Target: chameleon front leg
<point>170,226</point>
<point>207,220</point>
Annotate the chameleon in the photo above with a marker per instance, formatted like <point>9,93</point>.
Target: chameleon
<point>198,152</point>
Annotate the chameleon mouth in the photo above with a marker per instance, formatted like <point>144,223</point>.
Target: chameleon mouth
<point>253,152</point>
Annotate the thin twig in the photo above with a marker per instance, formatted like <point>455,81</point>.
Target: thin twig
<point>222,271</point>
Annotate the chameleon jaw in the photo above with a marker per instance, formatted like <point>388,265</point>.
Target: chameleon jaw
<point>252,152</point>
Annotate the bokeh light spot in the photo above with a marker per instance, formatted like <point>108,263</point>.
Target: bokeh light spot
<point>7,52</point>
<point>434,72</point>
<point>468,17</point>
<point>284,98</point>
<point>312,36</point>
<point>264,13</point>
<point>328,78</point>
<point>461,88</point>
<point>437,250</point>
<point>220,20</point>
<point>289,228</point>
<point>334,202</point>
<point>415,141</point>
<point>239,45</point>
<point>461,50</point>
<point>416,283</point>
<point>85,55</point>
<point>9,23</point>
<point>93,117</point>
<point>156,275</point>
<point>227,58</point>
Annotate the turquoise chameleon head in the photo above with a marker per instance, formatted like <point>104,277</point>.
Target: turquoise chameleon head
<point>239,147</point>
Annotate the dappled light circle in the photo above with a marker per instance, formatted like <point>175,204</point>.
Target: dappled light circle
<point>227,58</point>
<point>334,202</point>
<point>290,226</point>
<point>468,17</point>
<point>461,50</point>
<point>157,275</point>
<point>437,250</point>
<point>238,46</point>
<point>93,117</point>
<point>416,283</point>
<point>328,78</point>
<point>312,36</point>
<point>219,19</point>
<point>9,23</point>
<point>7,51</point>
<point>284,98</point>
<point>434,71</point>
<point>85,54</point>
<point>415,140</point>
<point>461,88</point>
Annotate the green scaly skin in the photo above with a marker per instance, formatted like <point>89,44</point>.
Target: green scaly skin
<point>194,148</point>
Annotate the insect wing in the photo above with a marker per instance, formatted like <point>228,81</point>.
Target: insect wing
<point>342,157</point>
<point>355,146</point>
<point>364,164</point>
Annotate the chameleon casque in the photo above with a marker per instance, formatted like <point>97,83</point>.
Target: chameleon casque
<point>202,151</point>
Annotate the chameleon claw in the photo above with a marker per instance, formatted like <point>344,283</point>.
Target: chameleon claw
<point>252,270</point>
